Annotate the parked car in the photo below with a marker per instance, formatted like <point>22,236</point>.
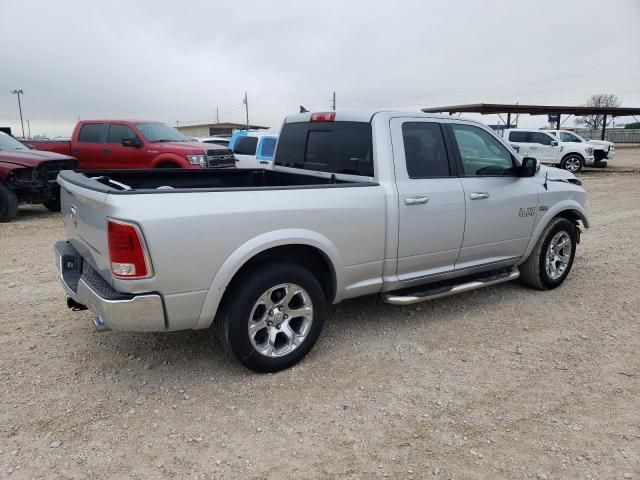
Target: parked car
<point>253,149</point>
<point>223,141</point>
<point>260,254</point>
<point>28,176</point>
<point>125,144</point>
<point>549,150</point>
<point>602,149</point>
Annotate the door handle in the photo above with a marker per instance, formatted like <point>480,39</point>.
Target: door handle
<point>479,195</point>
<point>416,200</point>
<point>106,151</point>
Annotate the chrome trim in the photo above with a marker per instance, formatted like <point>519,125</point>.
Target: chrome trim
<point>436,277</point>
<point>139,313</point>
<point>461,288</point>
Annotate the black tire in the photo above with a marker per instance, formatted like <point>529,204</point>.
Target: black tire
<point>570,161</point>
<point>168,165</point>
<point>244,293</point>
<point>533,271</point>
<point>53,205</point>
<point>8,204</point>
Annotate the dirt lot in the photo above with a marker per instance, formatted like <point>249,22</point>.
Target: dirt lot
<point>505,382</point>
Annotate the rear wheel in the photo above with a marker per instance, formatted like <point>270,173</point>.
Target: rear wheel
<point>8,204</point>
<point>572,163</point>
<point>272,316</point>
<point>551,259</point>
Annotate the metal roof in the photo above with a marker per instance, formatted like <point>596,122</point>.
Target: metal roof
<point>488,108</point>
<point>239,126</point>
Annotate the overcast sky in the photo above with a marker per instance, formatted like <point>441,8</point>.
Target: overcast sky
<point>178,60</point>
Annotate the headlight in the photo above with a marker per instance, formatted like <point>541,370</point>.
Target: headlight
<point>197,160</point>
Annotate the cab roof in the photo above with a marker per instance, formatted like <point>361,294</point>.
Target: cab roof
<point>367,116</point>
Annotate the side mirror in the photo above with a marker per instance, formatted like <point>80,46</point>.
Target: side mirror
<point>131,142</point>
<point>529,167</point>
<point>554,143</point>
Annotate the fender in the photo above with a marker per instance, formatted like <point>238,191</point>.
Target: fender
<point>253,247</point>
<point>562,206</point>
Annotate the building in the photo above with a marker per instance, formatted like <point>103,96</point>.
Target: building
<point>213,129</point>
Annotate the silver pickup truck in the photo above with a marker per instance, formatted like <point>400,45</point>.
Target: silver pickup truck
<point>409,206</point>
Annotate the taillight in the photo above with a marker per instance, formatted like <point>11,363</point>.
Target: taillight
<point>126,251</point>
<point>323,116</point>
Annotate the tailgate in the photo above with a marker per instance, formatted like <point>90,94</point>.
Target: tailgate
<point>85,215</point>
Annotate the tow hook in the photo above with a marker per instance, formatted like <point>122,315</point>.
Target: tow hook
<point>75,306</point>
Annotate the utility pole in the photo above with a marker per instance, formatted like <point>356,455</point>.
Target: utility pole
<point>217,115</point>
<point>19,92</point>
<point>177,123</point>
<point>29,127</point>
<point>246,105</point>
<point>334,101</point>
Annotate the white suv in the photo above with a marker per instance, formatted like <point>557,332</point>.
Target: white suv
<point>549,150</point>
<point>602,149</point>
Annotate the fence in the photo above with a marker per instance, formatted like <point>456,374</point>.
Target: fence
<point>615,135</point>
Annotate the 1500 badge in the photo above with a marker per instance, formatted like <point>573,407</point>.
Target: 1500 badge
<point>527,212</point>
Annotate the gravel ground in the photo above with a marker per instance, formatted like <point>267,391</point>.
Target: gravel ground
<point>505,382</point>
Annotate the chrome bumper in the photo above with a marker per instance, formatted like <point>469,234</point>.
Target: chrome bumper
<point>114,310</point>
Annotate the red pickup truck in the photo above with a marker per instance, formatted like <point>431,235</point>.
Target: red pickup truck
<point>123,144</point>
<point>28,176</point>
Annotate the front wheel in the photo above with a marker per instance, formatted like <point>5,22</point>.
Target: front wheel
<point>8,204</point>
<point>272,316</point>
<point>53,205</point>
<point>551,259</point>
<point>572,163</point>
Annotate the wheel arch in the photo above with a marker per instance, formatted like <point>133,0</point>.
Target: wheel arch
<point>311,249</point>
<point>168,158</point>
<point>575,153</point>
<point>569,209</point>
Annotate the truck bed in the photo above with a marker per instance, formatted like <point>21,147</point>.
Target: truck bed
<point>58,146</point>
<point>179,180</point>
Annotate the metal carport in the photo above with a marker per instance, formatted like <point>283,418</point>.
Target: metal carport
<point>559,110</point>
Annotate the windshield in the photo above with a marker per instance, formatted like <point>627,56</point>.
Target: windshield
<point>160,132</point>
<point>7,142</point>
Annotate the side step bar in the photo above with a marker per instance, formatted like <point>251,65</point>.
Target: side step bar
<point>396,298</point>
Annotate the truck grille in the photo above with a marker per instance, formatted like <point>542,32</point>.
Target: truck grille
<point>51,169</point>
<point>222,157</point>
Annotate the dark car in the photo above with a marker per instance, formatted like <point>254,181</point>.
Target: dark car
<point>28,176</point>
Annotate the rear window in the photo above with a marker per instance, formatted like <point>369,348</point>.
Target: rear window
<point>246,146</point>
<point>518,137</point>
<point>334,147</point>
<point>91,133</point>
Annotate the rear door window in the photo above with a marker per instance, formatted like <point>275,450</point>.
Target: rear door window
<point>246,146</point>
<point>541,138</point>
<point>424,150</point>
<point>520,137</point>
<point>334,147</point>
<point>91,133</point>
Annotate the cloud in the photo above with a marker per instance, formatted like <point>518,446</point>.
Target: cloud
<point>171,60</point>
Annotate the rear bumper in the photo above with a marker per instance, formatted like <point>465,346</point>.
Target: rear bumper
<point>114,310</point>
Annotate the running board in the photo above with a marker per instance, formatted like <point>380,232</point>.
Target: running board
<point>396,298</point>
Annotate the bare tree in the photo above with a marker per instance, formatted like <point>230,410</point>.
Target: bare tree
<point>595,122</point>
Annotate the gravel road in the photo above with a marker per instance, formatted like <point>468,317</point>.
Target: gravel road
<point>505,382</point>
